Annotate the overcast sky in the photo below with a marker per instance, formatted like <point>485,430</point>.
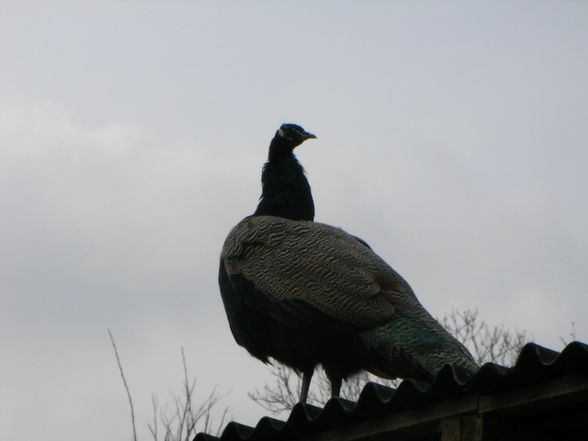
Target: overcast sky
<point>452,136</point>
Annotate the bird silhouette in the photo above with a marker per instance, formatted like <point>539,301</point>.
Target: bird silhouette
<point>306,293</point>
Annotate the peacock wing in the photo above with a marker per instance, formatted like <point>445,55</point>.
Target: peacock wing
<point>306,274</point>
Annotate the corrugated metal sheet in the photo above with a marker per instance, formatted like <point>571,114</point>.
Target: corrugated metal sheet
<point>535,364</point>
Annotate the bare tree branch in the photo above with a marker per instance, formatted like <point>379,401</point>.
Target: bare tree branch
<point>486,343</point>
<point>153,428</point>
<point>122,374</point>
<point>183,420</point>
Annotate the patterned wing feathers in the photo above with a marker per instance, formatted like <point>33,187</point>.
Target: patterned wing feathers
<point>317,264</point>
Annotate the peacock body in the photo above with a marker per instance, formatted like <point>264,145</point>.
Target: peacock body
<point>306,293</point>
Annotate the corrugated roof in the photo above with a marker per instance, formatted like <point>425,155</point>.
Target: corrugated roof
<point>534,365</point>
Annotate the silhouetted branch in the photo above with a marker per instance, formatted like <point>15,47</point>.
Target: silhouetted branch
<point>485,342</point>
<point>122,374</point>
<point>185,420</point>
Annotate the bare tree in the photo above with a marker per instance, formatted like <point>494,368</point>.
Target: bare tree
<point>186,417</point>
<point>486,343</point>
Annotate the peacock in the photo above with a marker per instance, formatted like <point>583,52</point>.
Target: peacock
<point>306,293</point>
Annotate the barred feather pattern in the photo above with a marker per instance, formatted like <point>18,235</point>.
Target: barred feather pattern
<point>340,276</point>
<point>313,262</point>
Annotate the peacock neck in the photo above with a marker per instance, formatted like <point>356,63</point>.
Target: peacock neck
<point>285,189</point>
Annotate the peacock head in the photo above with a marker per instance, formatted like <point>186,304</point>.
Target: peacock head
<point>293,134</point>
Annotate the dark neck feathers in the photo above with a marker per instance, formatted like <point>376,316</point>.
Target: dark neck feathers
<point>285,189</point>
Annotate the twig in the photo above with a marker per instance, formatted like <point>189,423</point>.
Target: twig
<point>188,391</point>
<point>155,405</point>
<point>122,374</point>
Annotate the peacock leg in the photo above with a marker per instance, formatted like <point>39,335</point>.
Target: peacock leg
<point>306,377</point>
<point>335,386</point>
